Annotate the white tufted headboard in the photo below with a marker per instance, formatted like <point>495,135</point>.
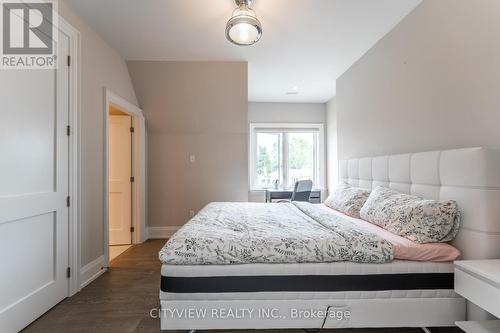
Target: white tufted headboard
<point>471,176</point>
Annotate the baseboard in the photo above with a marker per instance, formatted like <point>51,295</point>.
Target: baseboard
<point>161,232</point>
<point>92,271</point>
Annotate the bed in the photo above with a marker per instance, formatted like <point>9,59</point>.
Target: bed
<point>223,291</point>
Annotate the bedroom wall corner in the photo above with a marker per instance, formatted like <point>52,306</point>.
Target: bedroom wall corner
<point>331,144</point>
<point>197,122</point>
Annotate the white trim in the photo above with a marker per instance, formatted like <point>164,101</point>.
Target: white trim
<point>161,232</point>
<point>92,271</point>
<point>74,216</point>
<point>139,163</point>
<point>320,127</point>
<point>122,103</point>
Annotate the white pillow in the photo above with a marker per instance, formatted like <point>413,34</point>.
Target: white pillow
<point>417,219</point>
<point>347,199</point>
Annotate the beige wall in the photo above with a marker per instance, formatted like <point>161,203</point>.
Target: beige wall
<point>431,83</point>
<point>101,67</point>
<point>193,108</point>
<point>331,145</point>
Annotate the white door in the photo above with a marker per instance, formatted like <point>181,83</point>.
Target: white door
<point>34,106</point>
<point>120,171</point>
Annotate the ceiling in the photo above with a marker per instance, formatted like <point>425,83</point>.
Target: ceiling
<point>306,44</point>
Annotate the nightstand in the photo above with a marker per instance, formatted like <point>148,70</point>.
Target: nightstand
<point>479,282</point>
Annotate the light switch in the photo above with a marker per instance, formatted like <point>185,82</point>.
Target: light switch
<point>192,158</point>
<point>191,213</point>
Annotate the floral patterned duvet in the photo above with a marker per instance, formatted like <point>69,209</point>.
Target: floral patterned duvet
<point>226,233</point>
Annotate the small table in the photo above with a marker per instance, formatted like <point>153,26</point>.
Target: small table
<point>479,282</point>
<point>282,194</point>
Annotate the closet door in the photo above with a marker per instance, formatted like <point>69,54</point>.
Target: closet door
<point>33,191</point>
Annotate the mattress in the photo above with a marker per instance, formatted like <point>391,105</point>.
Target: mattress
<point>337,280</point>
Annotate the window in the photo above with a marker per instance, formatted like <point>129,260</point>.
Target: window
<point>285,153</point>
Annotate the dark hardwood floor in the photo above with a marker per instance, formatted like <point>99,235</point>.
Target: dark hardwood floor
<point>119,301</point>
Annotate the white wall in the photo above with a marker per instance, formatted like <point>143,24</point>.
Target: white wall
<point>431,83</point>
<point>331,145</point>
<point>259,112</point>
<point>286,112</point>
<point>101,67</point>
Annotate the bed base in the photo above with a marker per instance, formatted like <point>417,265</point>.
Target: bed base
<point>282,314</point>
<point>424,329</point>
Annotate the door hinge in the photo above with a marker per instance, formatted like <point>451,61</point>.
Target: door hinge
<point>68,130</point>
<point>132,179</point>
<point>69,60</point>
<point>132,129</point>
<point>68,272</point>
<point>132,229</point>
<point>67,202</point>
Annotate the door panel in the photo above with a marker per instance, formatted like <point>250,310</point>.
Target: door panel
<point>27,135</point>
<point>120,189</point>
<point>38,252</point>
<point>34,106</point>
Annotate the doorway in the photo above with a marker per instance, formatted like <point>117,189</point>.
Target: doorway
<point>124,182</point>
<point>121,177</point>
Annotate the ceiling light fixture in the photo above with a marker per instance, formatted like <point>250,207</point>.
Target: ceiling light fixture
<point>243,28</point>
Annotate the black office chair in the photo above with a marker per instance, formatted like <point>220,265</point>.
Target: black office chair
<point>301,191</point>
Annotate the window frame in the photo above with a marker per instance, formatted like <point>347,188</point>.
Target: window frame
<point>319,153</point>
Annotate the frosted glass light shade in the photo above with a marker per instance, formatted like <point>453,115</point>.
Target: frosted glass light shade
<point>243,28</point>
